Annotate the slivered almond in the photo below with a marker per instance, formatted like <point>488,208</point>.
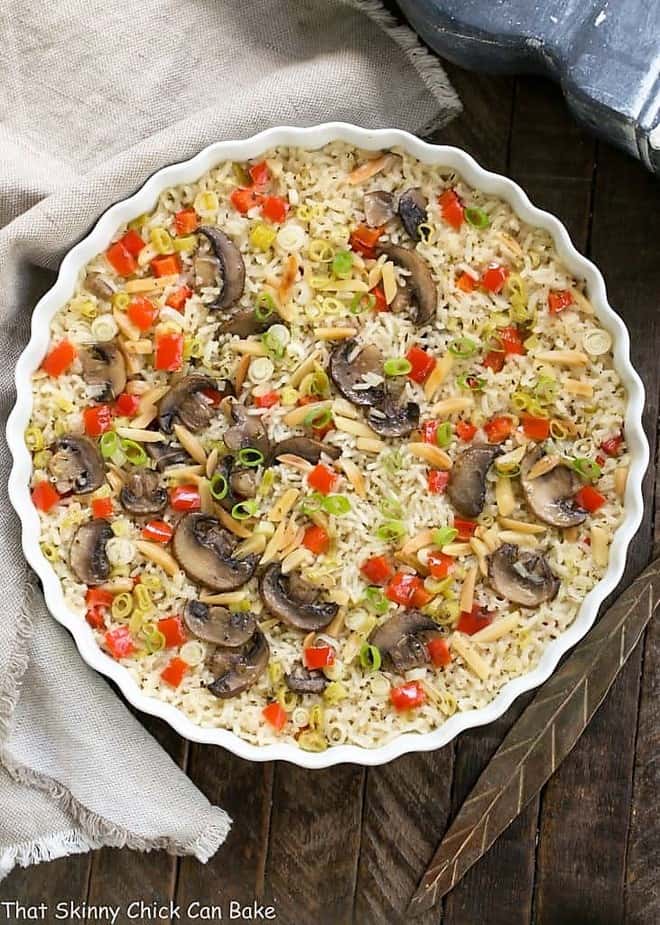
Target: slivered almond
<point>139,435</point>
<point>183,472</point>
<point>600,542</point>
<point>488,537</point>
<point>620,479</point>
<point>343,285</point>
<point>510,245</point>
<point>212,462</point>
<point>251,348</point>
<point>457,549</point>
<point>296,559</point>
<point>283,505</point>
<point>460,644</point>
<point>581,301</point>
<point>506,503</point>
<point>369,444</point>
<point>497,629</point>
<point>294,462</point>
<point>545,464</point>
<point>335,333</point>
<point>354,476</point>
<point>431,454</point>
<point>356,428</point>
<point>438,375</point>
<point>389,282</point>
<point>450,406</point>
<point>158,556</point>
<point>224,597</point>
<point>297,416</point>
<point>234,526</point>
<point>578,387</point>
<point>522,526</point>
<point>345,409</point>
<point>336,625</point>
<point>375,274</point>
<point>274,543</point>
<point>117,586</point>
<point>307,366</point>
<point>369,169</point>
<point>241,372</point>
<point>152,396</point>
<point>287,282</point>
<point>466,599</point>
<point>563,357</point>
<point>481,551</point>
<point>417,542</point>
<point>292,543</point>
<point>206,500</point>
<point>255,544</point>
<point>141,285</point>
<point>143,347</point>
<point>126,327</point>
<point>190,443</point>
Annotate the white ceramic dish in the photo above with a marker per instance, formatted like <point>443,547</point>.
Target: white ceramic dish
<point>143,201</point>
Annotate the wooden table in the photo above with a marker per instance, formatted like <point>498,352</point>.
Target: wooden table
<point>349,845</point>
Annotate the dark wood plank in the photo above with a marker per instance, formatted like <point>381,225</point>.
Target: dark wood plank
<point>61,881</point>
<point>586,808</point>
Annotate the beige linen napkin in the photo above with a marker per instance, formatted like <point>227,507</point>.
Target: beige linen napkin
<point>94,97</point>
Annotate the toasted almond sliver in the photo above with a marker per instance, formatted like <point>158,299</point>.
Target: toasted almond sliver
<point>356,428</point>
<point>117,586</point>
<point>234,526</point>
<point>460,644</point>
<point>522,526</point>
<point>417,542</point>
<point>563,357</point>
<point>224,597</point>
<point>335,333</point>
<point>545,464</point>
<point>518,538</point>
<point>450,406</point>
<point>158,556</point>
<point>620,479</point>
<point>190,443</point>
<point>369,444</point>
<point>254,544</point>
<point>141,285</point>
<point>212,462</point>
<point>140,436</point>
<point>241,372</point>
<point>438,375</point>
<point>497,629</point>
<point>390,287</point>
<point>296,559</point>
<point>344,285</point>
<point>345,409</point>
<point>292,543</point>
<point>287,282</point>
<point>578,387</point>
<point>466,599</point>
<point>355,477</point>
<point>283,505</point>
<point>307,366</point>
<point>506,503</point>
<point>457,549</point>
<point>369,169</point>
<point>600,542</point>
<point>375,274</point>
<point>252,348</point>
<point>571,534</point>
<point>295,462</point>
<point>431,454</point>
<point>274,544</point>
<point>296,416</point>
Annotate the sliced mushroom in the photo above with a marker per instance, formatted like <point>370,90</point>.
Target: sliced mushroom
<point>76,465</point>
<point>244,321</point>
<point>302,681</point>
<point>349,363</point>
<point>378,207</point>
<point>550,496</point>
<point>293,600</point>
<point>305,447</point>
<point>230,265</point>
<point>186,403</point>
<point>523,577</point>
<point>420,280</point>
<point>412,211</point>
<point>142,493</point>
<point>393,420</point>
<point>467,481</point>
<point>166,455</point>
<point>403,638</point>
<point>238,669</point>
<point>104,368</point>
<point>100,286</point>
<point>204,550</point>
<point>247,430</point>
<point>219,624</point>
<point>244,482</point>
<point>87,557</point>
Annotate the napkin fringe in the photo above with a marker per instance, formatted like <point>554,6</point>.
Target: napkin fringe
<point>18,660</point>
<point>49,848</point>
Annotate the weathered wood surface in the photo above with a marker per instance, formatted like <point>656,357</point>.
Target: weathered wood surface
<point>349,844</point>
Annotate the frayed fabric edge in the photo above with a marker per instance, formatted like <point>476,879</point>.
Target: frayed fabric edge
<point>428,67</point>
<point>19,659</point>
<point>48,848</point>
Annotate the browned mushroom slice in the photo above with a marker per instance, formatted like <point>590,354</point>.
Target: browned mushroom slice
<point>101,286</point>
<point>302,681</point>
<point>550,495</point>
<point>412,211</point>
<point>246,431</point>
<point>104,368</point>
<point>87,557</point>
<point>238,669</point>
<point>294,601</point>
<point>392,420</point>
<point>204,550</point>
<point>186,402</point>
<point>230,276</point>
<point>166,455</point>
<point>403,639</point>
<point>218,624</point>
<point>523,577</point>
<point>142,493</point>
<point>467,480</point>
<point>76,465</point>
<point>378,207</point>
<point>350,362</point>
<point>420,280</point>
<point>306,448</point>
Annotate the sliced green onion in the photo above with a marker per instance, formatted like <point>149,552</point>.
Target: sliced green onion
<point>275,341</point>
<point>587,468</point>
<point>444,434</point>
<point>390,508</point>
<point>244,509</point>
<point>375,599</point>
<point>397,366</point>
<point>249,456</point>
<point>336,504</point>
<point>135,454</point>
<point>362,302</point>
<point>318,418</point>
<point>391,530</point>
<point>463,347</point>
<point>476,217</point>
<point>312,504</point>
<point>546,389</point>
<point>342,264</point>
<point>316,383</point>
<point>370,657</point>
<point>109,444</point>
<point>393,461</point>
<point>470,383</point>
<point>265,306</point>
<point>122,605</point>
<point>444,536</point>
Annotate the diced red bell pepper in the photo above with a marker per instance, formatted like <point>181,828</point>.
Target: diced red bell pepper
<point>439,651</point>
<point>466,283</point>
<point>407,696</point>
<point>439,564</point>
<point>142,312</point>
<point>267,400</point>
<point>494,278</point>
<point>133,242</point>
<point>186,221</point>
<point>451,208</point>
<point>465,528</point>
<point>168,354</point>
<point>363,240</point>
<point>422,364</point>
<point>166,265</point>
<point>126,404</point>
<point>177,299</point>
<point>97,597</point>
<point>185,498</point>
<point>260,173</point>
<point>173,631</point>
<point>402,587</point>
<point>318,657</point>
<point>97,420</point>
<point>465,430</point>
<point>121,259</point>
<point>437,480</point>
<point>59,358</point>
<point>320,432</point>
<point>535,428</point>
<point>559,300</point>
<point>495,360</point>
<point>102,507</point>
<point>590,499</point>
<point>213,395</point>
<point>322,479</point>
<point>379,295</point>
<point>119,642</point>
<point>274,208</point>
<point>175,671</point>
<point>429,432</point>
<point>157,531</point>
<point>245,198</point>
<point>498,428</point>
<point>44,496</point>
<point>421,597</point>
<point>275,715</point>
<point>316,540</point>
<point>95,616</point>
<point>377,569</point>
<point>470,623</point>
<point>612,446</point>
<point>511,340</point>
